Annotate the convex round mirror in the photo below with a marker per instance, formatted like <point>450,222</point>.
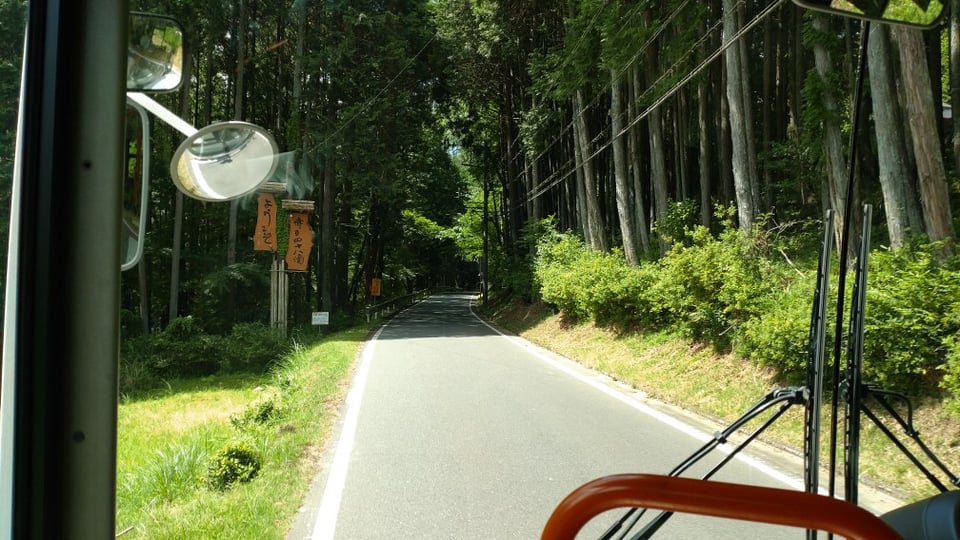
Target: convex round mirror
<point>154,53</point>
<point>919,13</point>
<point>224,161</point>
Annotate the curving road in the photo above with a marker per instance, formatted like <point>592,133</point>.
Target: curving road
<point>452,430</point>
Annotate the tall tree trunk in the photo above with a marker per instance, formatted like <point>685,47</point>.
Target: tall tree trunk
<point>955,77</point>
<point>639,202</point>
<point>703,120</point>
<point>535,206</point>
<point>621,175</point>
<point>582,218</point>
<point>597,239</point>
<point>739,135</point>
<point>746,94</point>
<point>724,143</point>
<point>327,234</point>
<point>173,305</point>
<point>832,143</point>
<point>659,177</point>
<point>680,137</point>
<point>511,178</point>
<point>658,172</point>
<point>770,45</point>
<point>934,193</point>
<point>717,82</point>
<point>894,174</point>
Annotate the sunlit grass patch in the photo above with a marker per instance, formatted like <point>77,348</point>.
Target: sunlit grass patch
<point>168,437</point>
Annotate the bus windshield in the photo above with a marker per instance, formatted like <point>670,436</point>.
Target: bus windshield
<point>434,268</point>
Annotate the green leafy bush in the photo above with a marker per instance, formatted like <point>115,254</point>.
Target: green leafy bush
<point>714,284</point>
<point>236,293</point>
<point>706,285</point>
<point>553,270</point>
<point>253,347</point>
<point>951,371</point>
<point>260,412</point>
<point>680,218</point>
<point>236,462</point>
<point>181,350</point>
<point>912,304</point>
<point>185,350</point>
<point>778,336</point>
<point>726,290</point>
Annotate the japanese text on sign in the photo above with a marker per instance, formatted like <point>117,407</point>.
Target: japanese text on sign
<point>265,237</point>
<point>300,243</point>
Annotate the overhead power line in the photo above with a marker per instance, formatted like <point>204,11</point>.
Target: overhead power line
<point>546,186</point>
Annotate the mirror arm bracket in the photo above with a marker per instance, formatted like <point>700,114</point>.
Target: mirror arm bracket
<point>163,113</point>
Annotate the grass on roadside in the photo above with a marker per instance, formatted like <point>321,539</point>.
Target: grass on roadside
<point>167,439</point>
<point>722,387</point>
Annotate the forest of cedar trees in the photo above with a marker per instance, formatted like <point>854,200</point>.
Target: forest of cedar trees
<point>689,146</point>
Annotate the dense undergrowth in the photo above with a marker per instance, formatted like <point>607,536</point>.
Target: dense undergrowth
<point>185,349</point>
<point>743,293</point>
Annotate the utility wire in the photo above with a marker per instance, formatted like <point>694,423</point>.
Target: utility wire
<point>370,101</point>
<point>543,188</point>
<point>595,101</point>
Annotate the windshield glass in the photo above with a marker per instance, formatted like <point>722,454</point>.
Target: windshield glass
<point>427,266</point>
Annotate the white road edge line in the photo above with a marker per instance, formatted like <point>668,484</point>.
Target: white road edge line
<point>326,524</point>
<point>541,354</point>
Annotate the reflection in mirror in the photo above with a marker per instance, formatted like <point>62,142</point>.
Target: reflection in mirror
<point>154,53</point>
<point>224,161</point>
<point>920,13</point>
<point>136,186</point>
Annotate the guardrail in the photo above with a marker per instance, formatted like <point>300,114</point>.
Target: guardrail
<point>394,305</point>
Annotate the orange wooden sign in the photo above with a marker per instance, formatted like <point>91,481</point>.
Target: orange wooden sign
<point>375,287</point>
<point>301,242</point>
<point>265,237</point>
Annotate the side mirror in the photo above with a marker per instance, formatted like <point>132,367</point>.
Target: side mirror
<point>220,162</point>
<point>917,13</point>
<point>136,186</point>
<point>154,53</point>
<point>224,161</point>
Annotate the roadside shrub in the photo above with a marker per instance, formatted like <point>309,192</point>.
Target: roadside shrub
<point>253,347</point>
<point>680,218</point>
<point>727,291</point>
<point>554,269</point>
<point>778,336</point>
<point>260,412</point>
<point>615,295</point>
<point>184,350</point>
<point>230,295</point>
<point>912,304</point>
<point>951,372</point>
<point>713,285</point>
<point>236,462</point>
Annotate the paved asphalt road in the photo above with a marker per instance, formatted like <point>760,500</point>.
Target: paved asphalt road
<point>452,430</point>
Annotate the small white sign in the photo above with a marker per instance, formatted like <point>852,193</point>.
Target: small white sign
<point>321,318</point>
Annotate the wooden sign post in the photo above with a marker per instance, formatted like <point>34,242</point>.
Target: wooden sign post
<point>299,245</point>
<point>265,239</point>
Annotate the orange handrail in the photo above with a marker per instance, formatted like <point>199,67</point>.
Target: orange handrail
<point>718,499</point>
